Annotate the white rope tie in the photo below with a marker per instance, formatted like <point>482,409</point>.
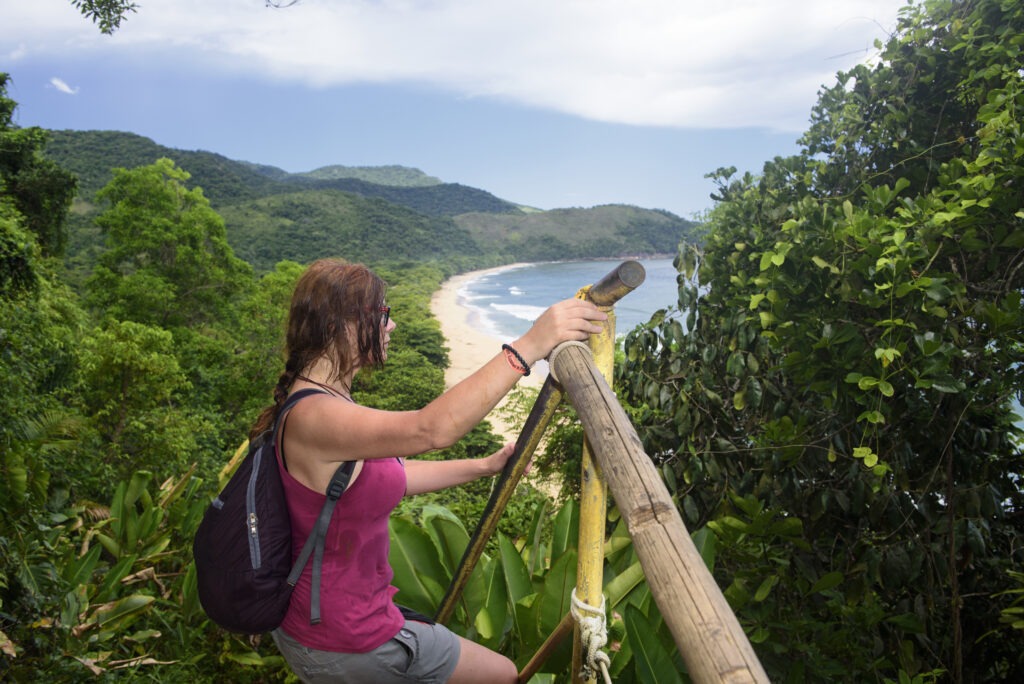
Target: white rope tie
<point>593,636</point>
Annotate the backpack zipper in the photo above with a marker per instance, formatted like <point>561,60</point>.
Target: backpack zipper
<point>251,520</point>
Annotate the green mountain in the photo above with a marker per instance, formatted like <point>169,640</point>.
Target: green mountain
<point>399,176</point>
<point>368,214</point>
<point>307,224</point>
<point>92,154</point>
<point>608,230</point>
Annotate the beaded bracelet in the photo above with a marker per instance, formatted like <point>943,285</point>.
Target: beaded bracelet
<point>515,360</point>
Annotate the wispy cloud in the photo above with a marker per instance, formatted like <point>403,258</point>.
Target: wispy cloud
<point>15,53</point>
<point>63,87</point>
<point>727,63</point>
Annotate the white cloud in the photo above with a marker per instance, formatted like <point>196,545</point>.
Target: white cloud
<point>647,62</point>
<point>63,87</point>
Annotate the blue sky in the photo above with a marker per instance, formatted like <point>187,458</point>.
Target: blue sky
<point>548,103</point>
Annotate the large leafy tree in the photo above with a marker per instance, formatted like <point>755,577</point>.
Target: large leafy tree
<point>835,398</point>
<point>167,262</point>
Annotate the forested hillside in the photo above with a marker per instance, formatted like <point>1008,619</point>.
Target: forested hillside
<point>307,224</point>
<point>92,154</point>
<point>360,213</point>
<point>612,230</point>
<point>394,175</point>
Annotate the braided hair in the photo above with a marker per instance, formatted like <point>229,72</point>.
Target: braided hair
<point>329,295</point>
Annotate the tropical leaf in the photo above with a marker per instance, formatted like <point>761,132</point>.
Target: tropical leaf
<point>448,534</point>
<point>515,572</point>
<point>494,609</point>
<point>567,529</point>
<point>653,659</point>
<point>419,573</point>
<point>555,597</point>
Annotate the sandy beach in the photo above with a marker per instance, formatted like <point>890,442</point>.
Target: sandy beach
<point>469,346</point>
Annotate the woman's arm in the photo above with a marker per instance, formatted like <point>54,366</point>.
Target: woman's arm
<point>453,414</point>
<point>431,476</point>
<point>328,430</point>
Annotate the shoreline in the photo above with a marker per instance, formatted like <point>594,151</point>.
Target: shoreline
<point>470,347</point>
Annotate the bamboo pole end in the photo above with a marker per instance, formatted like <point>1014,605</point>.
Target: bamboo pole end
<point>558,350</point>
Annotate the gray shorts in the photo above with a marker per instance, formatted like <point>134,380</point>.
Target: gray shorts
<point>418,653</point>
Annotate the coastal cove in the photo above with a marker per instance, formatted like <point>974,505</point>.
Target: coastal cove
<point>504,302</point>
<point>480,310</point>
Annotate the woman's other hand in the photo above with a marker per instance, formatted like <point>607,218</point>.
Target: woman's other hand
<point>495,463</point>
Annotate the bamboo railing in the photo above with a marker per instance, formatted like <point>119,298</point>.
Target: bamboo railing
<point>710,638</point>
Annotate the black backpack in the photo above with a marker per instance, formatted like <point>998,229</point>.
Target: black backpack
<point>243,547</point>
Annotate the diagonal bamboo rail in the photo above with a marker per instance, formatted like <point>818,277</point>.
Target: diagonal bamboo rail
<point>709,636</point>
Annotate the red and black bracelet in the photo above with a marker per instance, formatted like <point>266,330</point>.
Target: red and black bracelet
<point>515,360</point>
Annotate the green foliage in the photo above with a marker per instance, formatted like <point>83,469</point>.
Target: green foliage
<point>107,14</point>
<point>167,260</point>
<point>133,391</point>
<point>518,593</point>
<point>105,593</point>
<point>18,255</point>
<point>232,366</point>
<point>305,225</point>
<point>39,190</point>
<point>559,456</point>
<point>92,154</point>
<point>1013,615</point>
<point>833,396</point>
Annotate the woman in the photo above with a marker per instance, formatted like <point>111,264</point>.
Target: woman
<point>338,324</point>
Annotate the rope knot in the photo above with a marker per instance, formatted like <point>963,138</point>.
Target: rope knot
<point>593,637</point>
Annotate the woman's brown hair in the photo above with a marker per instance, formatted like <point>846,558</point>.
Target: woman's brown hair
<point>330,294</point>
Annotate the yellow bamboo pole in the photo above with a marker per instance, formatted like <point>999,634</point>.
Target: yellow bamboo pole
<point>593,490</point>
<point>593,501</point>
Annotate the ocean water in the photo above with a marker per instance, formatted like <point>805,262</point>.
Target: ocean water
<point>504,303</point>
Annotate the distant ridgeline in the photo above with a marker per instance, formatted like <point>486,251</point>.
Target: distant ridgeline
<point>372,214</point>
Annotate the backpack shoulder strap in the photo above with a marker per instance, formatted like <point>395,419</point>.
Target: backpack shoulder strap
<point>315,542</point>
<point>289,403</point>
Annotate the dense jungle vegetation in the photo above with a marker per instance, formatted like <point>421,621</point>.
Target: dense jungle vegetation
<point>834,398</point>
<point>831,404</point>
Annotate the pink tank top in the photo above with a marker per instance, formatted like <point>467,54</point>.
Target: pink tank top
<point>356,607</point>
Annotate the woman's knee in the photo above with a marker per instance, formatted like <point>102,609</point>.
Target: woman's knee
<point>480,664</point>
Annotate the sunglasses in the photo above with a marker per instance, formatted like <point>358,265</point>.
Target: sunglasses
<point>386,310</point>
